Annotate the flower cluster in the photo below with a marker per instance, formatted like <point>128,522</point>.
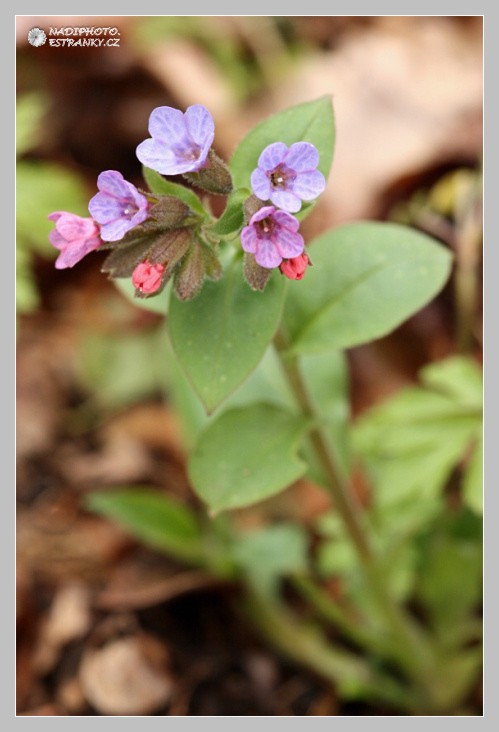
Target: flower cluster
<point>285,177</point>
<point>154,237</point>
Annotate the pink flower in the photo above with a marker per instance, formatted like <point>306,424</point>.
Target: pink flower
<point>147,277</point>
<point>295,268</point>
<point>272,236</point>
<point>74,236</point>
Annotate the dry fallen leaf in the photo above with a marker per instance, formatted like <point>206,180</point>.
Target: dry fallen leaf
<point>128,676</point>
<point>68,619</point>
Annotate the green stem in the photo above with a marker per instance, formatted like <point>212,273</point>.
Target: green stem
<point>412,649</point>
<point>308,647</point>
<point>332,613</point>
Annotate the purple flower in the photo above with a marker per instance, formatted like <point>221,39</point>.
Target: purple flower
<point>73,236</point>
<point>118,207</point>
<point>272,236</point>
<point>180,142</point>
<point>288,176</point>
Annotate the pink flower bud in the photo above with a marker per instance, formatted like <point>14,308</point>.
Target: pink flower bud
<point>295,268</point>
<point>147,277</point>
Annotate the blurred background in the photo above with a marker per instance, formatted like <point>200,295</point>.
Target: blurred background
<point>92,367</point>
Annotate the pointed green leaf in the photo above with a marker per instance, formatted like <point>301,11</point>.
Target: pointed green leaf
<point>161,186</point>
<point>157,519</point>
<point>247,455</point>
<point>367,278</point>
<point>221,335</point>
<point>310,122</point>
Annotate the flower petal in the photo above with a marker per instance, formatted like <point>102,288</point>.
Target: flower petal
<point>262,213</point>
<point>138,218</point>
<point>288,243</point>
<point>159,157</point>
<point>286,220</point>
<point>55,215</point>
<point>272,156</point>
<point>113,183</point>
<point>286,200</point>
<point>302,156</point>
<point>57,241</point>
<point>309,185</point>
<point>104,208</point>
<point>115,230</point>
<point>73,227</point>
<point>74,252</point>
<point>249,239</point>
<point>267,255</point>
<point>260,184</point>
<point>200,125</point>
<point>168,125</point>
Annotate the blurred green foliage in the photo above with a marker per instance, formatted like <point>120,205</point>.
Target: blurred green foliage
<point>41,188</point>
<point>417,446</point>
<point>119,370</point>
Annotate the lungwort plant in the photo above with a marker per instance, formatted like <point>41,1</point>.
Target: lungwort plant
<point>257,337</point>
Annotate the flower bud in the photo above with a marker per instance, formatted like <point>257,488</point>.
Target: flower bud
<point>213,268</point>
<point>295,268</point>
<point>166,248</point>
<point>147,278</point>
<point>190,275</point>
<point>251,206</point>
<point>171,213</point>
<point>256,276</point>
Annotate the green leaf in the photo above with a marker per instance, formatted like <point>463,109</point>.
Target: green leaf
<point>247,455</point>
<point>270,553</point>
<point>161,186</point>
<point>266,383</point>
<point>450,577</point>
<point>367,278</point>
<point>473,480</point>
<point>221,335</point>
<point>310,122</point>
<point>159,520</point>
<point>412,442</point>
<point>232,218</point>
<point>157,304</point>
<point>458,377</point>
